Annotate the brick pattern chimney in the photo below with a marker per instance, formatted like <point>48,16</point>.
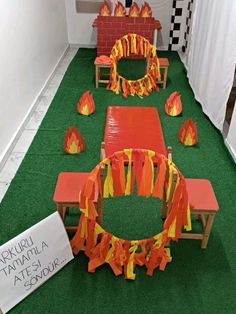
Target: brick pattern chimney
<point>111,28</point>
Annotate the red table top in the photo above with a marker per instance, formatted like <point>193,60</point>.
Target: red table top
<point>201,195</point>
<point>69,185</point>
<point>164,62</point>
<point>133,127</point>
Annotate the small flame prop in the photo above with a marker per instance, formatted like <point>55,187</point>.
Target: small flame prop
<point>105,9</point>
<point>134,10</point>
<point>74,142</point>
<point>119,9</point>
<point>86,105</point>
<point>188,134</point>
<point>146,11</point>
<point>173,106</point>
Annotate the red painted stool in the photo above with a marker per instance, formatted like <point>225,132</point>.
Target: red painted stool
<point>101,63</point>
<point>67,191</point>
<point>203,204</point>
<point>164,65</point>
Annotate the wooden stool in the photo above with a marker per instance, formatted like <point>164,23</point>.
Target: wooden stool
<point>203,203</point>
<point>98,74</point>
<point>67,191</point>
<point>164,64</point>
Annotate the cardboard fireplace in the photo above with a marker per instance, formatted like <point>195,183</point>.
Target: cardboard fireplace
<point>110,28</point>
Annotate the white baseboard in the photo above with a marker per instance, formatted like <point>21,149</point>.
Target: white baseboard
<point>83,46</point>
<point>6,153</point>
<point>162,48</point>
<point>230,149</point>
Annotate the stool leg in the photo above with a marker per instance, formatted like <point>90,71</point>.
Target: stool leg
<point>207,230</point>
<point>164,209</point>
<point>61,210</point>
<point>165,77</point>
<point>97,75</point>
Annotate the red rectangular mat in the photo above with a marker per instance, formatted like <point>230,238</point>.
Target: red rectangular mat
<point>133,127</point>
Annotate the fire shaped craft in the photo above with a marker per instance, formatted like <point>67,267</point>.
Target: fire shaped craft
<point>134,11</point>
<point>73,142</point>
<point>119,9</point>
<point>86,105</point>
<point>146,11</point>
<point>188,134</point>
<point>105,9</point>
<point>173,106</point>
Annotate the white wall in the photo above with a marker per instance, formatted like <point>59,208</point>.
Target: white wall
<point>79,26</point>
<point>162,10</point>
<point>81,32</point>
<point>231,137</point>
<point>33,38</point>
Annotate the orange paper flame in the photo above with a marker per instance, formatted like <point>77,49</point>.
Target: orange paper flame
<point>188,134</point>
<point>74,142</point>
<point>173,106</point>
<point>146,11</point>
<point>86,105</point>
<point>105,9</point>
<point>134,10</point>
<point>119,9</point>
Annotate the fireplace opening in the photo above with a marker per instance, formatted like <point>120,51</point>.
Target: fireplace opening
<point>132,69</point>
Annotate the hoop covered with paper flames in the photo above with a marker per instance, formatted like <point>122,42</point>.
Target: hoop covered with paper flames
<point>130,45</point>
<point>123,255</point>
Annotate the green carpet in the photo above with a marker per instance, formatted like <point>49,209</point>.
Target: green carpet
<point>197,281</point>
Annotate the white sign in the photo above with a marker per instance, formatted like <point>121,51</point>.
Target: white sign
<point>31,258</point>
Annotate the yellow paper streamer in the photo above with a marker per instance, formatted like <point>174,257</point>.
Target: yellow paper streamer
<point>172,229</point>
<point>130,266</point>
<point>150,155</point>
<point>111,250</point>
<point>128,152</point>
<point>188,227</point>
<point>158,240</point>
<point>84,228</point>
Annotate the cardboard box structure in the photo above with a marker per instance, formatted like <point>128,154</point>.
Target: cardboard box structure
<point>111,28</point>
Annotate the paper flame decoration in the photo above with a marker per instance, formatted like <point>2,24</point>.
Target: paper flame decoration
<point>126,46</point>
<point>119,9</point>
<point>86,105</point>
<point>102,247</point>
<point>188,134</point>
<point>74,142</point>
<point>105,9</point>
<point>134,10</point>
<point>173,106</point>
<point>146,11</point>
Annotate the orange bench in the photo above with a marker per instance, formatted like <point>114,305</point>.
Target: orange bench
<point>203,205</point>
<point>67,192</point>
<point>104,78</point>
<point>164,65</point>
